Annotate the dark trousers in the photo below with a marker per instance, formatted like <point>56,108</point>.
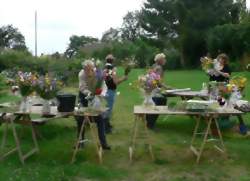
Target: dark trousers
<point>98,120</point>
<point>151,118</point>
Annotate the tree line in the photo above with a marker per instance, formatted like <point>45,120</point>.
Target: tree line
<point>183,29</point>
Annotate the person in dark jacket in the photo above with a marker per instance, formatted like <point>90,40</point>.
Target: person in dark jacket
<point>111,81</point>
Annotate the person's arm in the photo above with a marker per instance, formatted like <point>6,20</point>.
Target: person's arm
<point>225,72</point>
<point>118,80</point>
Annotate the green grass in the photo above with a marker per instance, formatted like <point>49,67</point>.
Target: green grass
<point>172,137</point>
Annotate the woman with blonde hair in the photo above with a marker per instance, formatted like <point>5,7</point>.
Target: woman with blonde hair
<point>158,98</point>
<point>87,86</point>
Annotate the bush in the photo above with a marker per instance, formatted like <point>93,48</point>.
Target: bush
<point>62,68</point>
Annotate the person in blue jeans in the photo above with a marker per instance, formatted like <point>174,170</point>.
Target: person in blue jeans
<point>158,98</point>
<point>87,85</point>
<point>112,81</point>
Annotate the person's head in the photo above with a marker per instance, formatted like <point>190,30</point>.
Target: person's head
<point>110,58</point>
<point>160,59</point>
<point>223,59</point>
<point>88,67</point>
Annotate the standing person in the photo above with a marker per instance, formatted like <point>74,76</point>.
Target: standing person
<point>158,98</point>
<point>221,71</point>
<point>87,85</point>
<point>112,81</point>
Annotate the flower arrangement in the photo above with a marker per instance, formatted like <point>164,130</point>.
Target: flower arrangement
<point>47,87</point>
<point>239,81</point>
<point>26,82</point>
<point>226,91</point>
<point>207,63</point>
<point>150,81</point>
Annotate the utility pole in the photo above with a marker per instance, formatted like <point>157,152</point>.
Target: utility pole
<point>35,34</point>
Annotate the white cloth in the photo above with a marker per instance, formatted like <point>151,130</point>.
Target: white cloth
<point>86,84</point>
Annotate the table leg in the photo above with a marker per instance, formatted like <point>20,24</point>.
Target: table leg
<point>5,131</point>
<point>95,138</point>
<point>78,142</point>
<point>220,136</point>
<point>195,129</point>
<point>17,141</point>
<point>204,140</point>
<point>134,134</point>
<point>149,138</point>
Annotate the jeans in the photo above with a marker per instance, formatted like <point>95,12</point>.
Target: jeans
<point>98,120</point>
<point>110,98</point>
<point>151,118</point>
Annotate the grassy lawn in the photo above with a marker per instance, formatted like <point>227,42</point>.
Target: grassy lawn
<point>174,160</point>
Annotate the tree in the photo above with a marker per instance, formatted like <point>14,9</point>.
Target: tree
<point>76,42</point>
<point>186,23</point>
<point>11,38</point>
<point>110,35</point>
<point>131,28</point>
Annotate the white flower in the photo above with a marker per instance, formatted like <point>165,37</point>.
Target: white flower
<point>118,93</point>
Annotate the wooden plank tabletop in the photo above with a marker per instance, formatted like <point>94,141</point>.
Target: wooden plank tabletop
<point>140,109</point>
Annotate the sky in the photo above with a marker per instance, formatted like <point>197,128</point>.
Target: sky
<point>60,19</point>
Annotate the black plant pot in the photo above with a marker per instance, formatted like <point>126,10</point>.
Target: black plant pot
<point>66,102</point>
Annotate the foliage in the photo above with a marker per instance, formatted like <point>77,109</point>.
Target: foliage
<point>10,37</point>
<point>131,29</point>
<point>63,69</point>
<point>111,35</point>
<point>76,42</point>
<point>231,39</point>
<point>186,23</point>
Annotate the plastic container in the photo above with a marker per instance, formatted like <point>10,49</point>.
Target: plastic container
<point>66,102</point>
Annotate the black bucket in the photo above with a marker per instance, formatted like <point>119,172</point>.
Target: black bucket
<point>66,102</point>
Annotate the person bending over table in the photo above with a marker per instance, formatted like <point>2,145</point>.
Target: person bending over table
<point>87,84</point>
<point>158,98</point>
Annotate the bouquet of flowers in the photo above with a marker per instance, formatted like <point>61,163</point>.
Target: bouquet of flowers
<point>239,81</point>
<point>207,63</point>
<point>226,91</point>
<point>148,83</point>
<point>26,82</point>
<point>47,87</point>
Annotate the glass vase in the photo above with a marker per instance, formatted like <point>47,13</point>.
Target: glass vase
<point>24,106</point>
<point>96,103</point>
<point>46,109</point>
<point>229,104</point>
<point>148,99</point>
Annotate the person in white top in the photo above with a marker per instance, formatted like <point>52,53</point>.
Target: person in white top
<point>87,85</point>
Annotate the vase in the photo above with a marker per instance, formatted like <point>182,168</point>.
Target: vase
<point>96,103</point>
<point>229,104</point>
<point>24,106</point>
<point>148,99</point>
<point>46,107</point>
